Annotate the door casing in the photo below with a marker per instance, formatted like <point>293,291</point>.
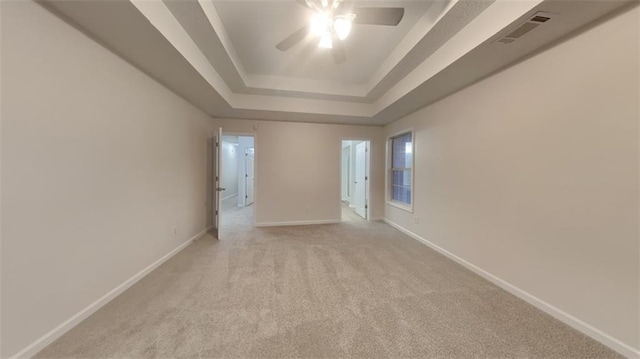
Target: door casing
<point>367,174</point>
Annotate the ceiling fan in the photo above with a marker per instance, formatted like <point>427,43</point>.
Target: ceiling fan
<point>332,24</point>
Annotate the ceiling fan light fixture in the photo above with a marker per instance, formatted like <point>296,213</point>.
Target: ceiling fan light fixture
<point>325,41</point>
<point>330,23</point>
<point>342,26</point>
<point>320,23</point>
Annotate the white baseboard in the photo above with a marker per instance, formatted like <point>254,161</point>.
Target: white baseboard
<point>297,223</point>
<point>564,317</point>
<point>33,348</point>
<point>229,196</point>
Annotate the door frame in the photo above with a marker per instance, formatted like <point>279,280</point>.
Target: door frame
<point>216,179</point>
<point>255,166</point>
<point>367,189</point>
<point>253,170</point>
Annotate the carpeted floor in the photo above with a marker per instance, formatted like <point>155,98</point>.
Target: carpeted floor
<point>355,289</point>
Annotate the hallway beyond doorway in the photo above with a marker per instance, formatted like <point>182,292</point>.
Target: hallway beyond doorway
<point>234,215</point>
<point>354,179</point>
<point>237,182</point>
<point>349,214</point>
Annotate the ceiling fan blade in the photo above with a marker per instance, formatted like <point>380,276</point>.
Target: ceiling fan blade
<point>293,39</point>
<point>337,51</point>
<point>389,16</point>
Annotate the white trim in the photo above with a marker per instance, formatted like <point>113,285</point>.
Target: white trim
<point>367,171</point>
<point>388,182</point>
<point>229,196</point>
<point>564,317</point>
<point>33,348</point>
<point>297,223</point>
<point>400,205</point>
<point>255,166</point>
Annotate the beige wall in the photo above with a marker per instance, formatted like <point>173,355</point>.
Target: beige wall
<point>298,169</point>
<point>99,162</point>
<point>532,175</point>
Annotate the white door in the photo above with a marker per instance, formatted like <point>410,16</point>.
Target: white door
<point>217,190</point>
<point>360,177</point>
<point>346,169</point>
<point>249,157</point>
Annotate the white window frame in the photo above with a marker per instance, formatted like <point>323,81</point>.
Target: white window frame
<point>389,177</point>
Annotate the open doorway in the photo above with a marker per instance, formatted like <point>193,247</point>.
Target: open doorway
<point>354,180</point>
<point>237,157</point>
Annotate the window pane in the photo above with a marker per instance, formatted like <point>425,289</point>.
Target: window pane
<point>401,187</point>
<point>401,151</point>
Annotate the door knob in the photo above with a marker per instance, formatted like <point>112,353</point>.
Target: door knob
<point>220,189</point>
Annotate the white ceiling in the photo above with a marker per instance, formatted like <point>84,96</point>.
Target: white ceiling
<point>221,55</point>
<point>256,27</point>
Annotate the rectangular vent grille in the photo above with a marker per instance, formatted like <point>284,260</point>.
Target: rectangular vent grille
<point>540,19</point>
<point>522,29</point>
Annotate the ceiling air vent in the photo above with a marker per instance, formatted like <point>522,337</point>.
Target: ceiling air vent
<point>540,19</point>
<point>524,28</point>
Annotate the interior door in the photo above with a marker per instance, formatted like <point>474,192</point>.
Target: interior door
<point>360,166</point>
<point>346,169</point>
<point>249,158</point>
<point>217,192</point>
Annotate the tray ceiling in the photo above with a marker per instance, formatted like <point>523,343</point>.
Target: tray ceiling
<point>256,27</point>
<point>221,55</point>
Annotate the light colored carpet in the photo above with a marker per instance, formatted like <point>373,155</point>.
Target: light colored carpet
<point>355,289</point>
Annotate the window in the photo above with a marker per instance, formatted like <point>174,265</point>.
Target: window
<point>401,168</point>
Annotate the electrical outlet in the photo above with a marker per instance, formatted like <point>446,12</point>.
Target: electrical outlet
<point>175,230</point>
<point>416,220</point>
